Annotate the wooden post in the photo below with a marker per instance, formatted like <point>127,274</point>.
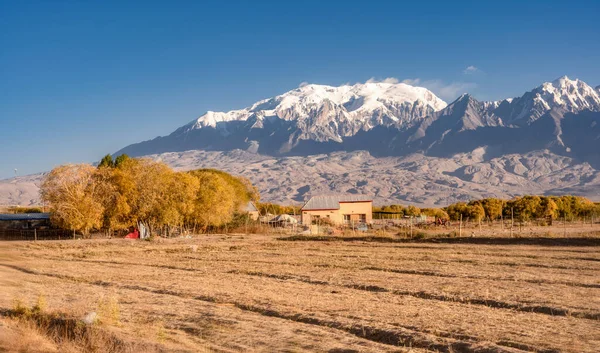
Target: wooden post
<point>512,220</point>
<point>35,234</point>
<point>460,226</point>
<point>411,221</point>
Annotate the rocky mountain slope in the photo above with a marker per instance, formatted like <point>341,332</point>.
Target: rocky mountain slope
<point>415,179</point>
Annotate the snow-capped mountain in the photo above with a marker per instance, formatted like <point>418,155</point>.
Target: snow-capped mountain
<point>570,95</point>
<point>296,120</point>
<point>387,119</point>
<point>323,113</point>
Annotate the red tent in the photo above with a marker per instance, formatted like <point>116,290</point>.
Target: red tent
<point>135,234</point>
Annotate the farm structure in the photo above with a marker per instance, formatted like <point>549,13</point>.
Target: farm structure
<point>348,209</point>
<point>24,221</point>
<point>252,211</point>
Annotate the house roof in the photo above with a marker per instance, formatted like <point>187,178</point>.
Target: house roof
<point>332,202</point>
<point>24,216</point>
<point>250,207</point>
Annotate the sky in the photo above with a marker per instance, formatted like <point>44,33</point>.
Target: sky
<point>80,79</point>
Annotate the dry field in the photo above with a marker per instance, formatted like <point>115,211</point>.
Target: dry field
<point>259,293</point>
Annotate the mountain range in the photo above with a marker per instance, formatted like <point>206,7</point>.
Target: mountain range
<point>396,142</point>
<point>396,119</point>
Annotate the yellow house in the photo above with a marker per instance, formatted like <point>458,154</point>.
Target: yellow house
<point>349,209</point>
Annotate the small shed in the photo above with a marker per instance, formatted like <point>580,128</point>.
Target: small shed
<point>24,220</point>
<point>283,220</point>
<point>252,211</point>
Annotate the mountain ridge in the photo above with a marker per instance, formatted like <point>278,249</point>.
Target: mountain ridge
<point>382,118</point>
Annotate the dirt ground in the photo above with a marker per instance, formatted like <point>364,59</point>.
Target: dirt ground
<point>261,293</point>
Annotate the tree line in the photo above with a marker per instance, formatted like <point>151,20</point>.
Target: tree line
<point>119,193</point>
<point>522,208</point>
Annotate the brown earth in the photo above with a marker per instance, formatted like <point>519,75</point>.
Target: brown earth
<point>262,293</point>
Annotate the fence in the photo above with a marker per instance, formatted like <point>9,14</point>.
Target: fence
<point>35,234</point>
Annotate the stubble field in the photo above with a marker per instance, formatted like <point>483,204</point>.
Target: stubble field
<point>260,293</point>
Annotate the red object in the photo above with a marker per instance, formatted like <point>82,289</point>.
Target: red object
<point>133,235</point>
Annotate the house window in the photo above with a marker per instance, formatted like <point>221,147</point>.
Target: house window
<point>346,218</point>
<point>363,218</point>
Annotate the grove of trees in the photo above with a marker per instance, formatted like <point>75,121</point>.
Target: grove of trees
<point>524,208</point>
<point>122,192</point>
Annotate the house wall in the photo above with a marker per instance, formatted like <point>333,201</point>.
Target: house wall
<point>308,216</point>
<point>356,208</point>
<point>337,216</point>
<point>253,215</point>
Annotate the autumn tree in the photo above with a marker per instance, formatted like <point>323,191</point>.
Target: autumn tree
<point>74,197</point>
<point>475,212</point>
<point>492,208</point>
<point>412,211</point>
<point>215,201</point>
<point>455,211</point>
<point>437,213</point>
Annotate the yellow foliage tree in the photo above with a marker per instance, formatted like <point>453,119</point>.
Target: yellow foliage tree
<point>216,200</point>
<point>74,197</point>
<point>119,195</point>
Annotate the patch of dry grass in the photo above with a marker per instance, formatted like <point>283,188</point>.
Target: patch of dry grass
<point>258,293</point>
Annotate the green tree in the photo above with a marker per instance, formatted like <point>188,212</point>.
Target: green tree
<point>120,160</point>
<point>106,162</point>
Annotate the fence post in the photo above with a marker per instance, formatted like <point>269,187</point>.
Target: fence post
<point>460,226</point>
<point>512,220</point>
<point>35,234</point>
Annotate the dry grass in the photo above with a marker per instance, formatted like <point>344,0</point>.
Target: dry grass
<point>259,293</point>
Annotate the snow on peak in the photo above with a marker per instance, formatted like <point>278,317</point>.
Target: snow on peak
<point>572,95</point>
<point>369,104</point>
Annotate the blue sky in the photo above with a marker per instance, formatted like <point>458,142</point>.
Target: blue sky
<point>79,79</point>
